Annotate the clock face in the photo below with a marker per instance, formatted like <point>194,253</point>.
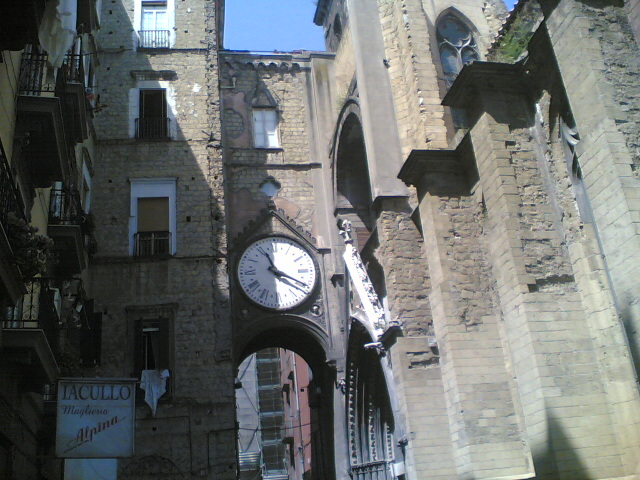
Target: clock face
<point>277,273</point>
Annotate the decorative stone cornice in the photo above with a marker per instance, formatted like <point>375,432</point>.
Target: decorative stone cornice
<point>420,162</point>
<point>481,77</point>
<point>167,75</point>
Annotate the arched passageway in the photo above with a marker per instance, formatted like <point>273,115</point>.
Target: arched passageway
<point>284,407</point>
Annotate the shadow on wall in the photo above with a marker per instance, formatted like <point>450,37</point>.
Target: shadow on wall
<point>159,275</point>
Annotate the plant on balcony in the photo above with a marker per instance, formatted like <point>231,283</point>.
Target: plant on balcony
<point>31,252</point>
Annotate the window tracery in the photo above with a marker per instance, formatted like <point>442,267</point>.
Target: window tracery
<point>457,46</point>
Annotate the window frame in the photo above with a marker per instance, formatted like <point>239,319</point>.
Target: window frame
<point>138,15</point>
<point>445,44</point>
<point>264,131</point>
<point>153,187</point>
<point>170,107</point>
<point>165,315</point>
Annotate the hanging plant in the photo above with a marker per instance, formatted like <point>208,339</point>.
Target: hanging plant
<point>31,252</point>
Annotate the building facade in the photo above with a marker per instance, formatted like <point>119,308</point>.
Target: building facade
<point>439,214</point>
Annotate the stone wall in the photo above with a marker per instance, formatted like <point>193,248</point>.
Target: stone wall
<point>193,432</point>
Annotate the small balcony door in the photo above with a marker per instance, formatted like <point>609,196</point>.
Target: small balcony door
<point>154,28</point>
<point>153,121</point>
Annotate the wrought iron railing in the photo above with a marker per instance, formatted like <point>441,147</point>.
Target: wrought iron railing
<point>64,207</point>
<point>39,308</point>
<point>149,244</point>
<point>10,199</point>
<point>150,128</point>
<point>73,68</point>
<point>153,39</point>
<point>372,471</point>
<point>34,75</point>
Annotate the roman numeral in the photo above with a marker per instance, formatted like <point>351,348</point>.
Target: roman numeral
<point>253,285</point>
<point>250,272</point>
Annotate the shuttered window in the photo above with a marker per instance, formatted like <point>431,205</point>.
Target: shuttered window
<point>153,214</point>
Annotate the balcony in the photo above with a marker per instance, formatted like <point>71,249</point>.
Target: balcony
<point>71,88</point>
<point>40,122</point>
<point>152,128</point>
<point>152,244</point>
<point>153,39</point>
<point>11,285</point>
<point>65,227</point>
<point>31,332</point>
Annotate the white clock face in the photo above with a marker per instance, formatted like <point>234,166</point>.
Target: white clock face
<point>277,273</point>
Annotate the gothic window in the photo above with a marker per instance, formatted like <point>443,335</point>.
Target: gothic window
<point>457,47</point>
<point>265,118</point>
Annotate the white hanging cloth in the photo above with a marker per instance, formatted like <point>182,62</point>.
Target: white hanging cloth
<point>58,29</point>
<point>154,384</point>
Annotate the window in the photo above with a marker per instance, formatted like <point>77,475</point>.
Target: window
<point>265,128</point>
<point>152,121</point>
<point>152,108</point>
<point>152,227</point>
<point>457,47</point>
<point>151,332</point>
<point>156,24</point>
<point>152,344</point>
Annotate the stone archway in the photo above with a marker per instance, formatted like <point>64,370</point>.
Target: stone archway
<point>285,333</point>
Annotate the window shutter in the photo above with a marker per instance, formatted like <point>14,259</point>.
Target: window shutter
<point>271,121</point>
<point>260,139</point>
<point>153,214</point>
<point>164,337</point>
<point>138,348</point>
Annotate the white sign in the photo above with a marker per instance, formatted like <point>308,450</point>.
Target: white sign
<point>96,417</point>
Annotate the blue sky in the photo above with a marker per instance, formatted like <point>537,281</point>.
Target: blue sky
<point>267,25</point>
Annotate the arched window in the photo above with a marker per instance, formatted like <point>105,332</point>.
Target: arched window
<point>456,45</point>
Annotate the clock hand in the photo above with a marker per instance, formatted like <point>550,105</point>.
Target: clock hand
<point>268,258</point>
<point>280,273</point>
<point>294,279</point>
<point>286,278</point>
<point>290,283</point>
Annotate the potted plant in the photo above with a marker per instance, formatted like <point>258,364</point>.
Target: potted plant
<point>31,252</point>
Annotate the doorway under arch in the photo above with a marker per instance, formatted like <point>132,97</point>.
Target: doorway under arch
<point>280,370</point>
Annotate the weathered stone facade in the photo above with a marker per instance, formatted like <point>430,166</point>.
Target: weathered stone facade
<point>503,249</point>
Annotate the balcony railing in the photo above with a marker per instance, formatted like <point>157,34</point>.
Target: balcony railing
<point>64,207</point>
<point>150,128</point>
<point>38,309</point>
<point>153,39</point>
<point>149,244</point>
<point>34,75</point>
<point>73,68</point>
<point>10,199</point>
